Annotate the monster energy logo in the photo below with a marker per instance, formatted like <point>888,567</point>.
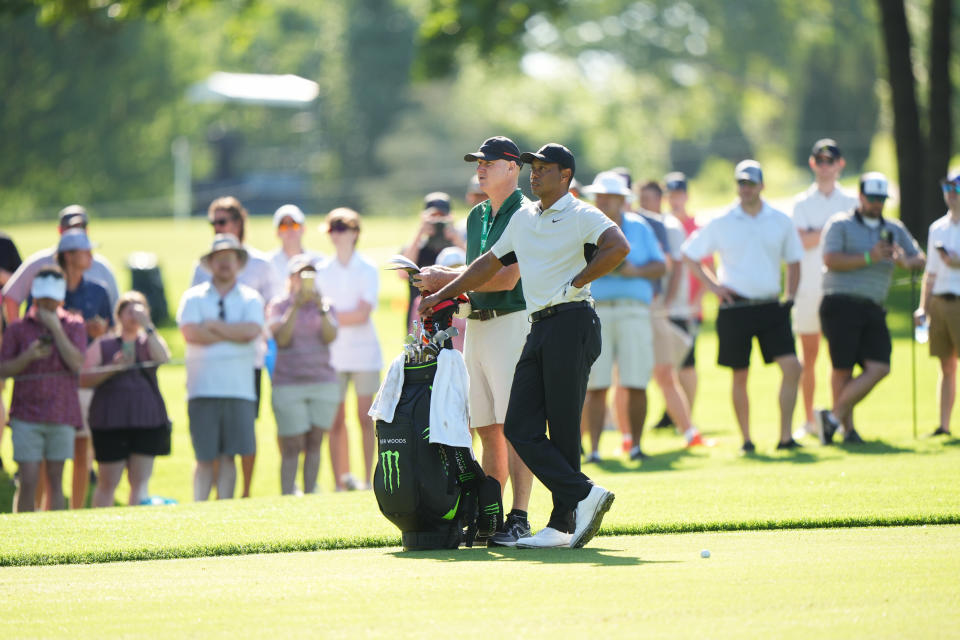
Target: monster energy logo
<point>390,460</point>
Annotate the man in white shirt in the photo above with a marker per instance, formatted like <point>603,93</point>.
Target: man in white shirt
<point>752,240</point>
<point>290,225</point>
<point>811,210</point>
<point>228,215</point>
<point>940,297</point>
<point>220,321</point>
<point>557,242</point>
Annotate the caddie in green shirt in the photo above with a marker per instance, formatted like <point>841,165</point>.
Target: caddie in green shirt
<point>496,327</point>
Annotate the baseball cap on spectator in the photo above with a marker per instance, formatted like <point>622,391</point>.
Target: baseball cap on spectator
<point>552,153</point>
<point>452,257</point>
<point>291,211</point>
<point>73,215</point>
<point>496,148</point>
<point>609,183</point>
<point>74,240</point>
<point>676,181</point>
<point>749,170</point>
<point>225,242</point>
<point>341,219</point>
<point>437,200</point>
<point>826,147</point>
<point>953,177</point>
<point>49,283</point>
<point>874,183</point>
<point>300,262</point>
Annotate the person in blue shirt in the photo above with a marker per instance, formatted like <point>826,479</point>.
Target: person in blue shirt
<point>623,300</point>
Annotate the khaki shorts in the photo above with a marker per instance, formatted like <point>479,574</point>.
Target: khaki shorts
<point>301,407</point>
<point>36,441</point>
<point>626,339</point>
<point>365,383</point>
<point>491,349</point>
<point>944,327</point>
<point>806,312</point>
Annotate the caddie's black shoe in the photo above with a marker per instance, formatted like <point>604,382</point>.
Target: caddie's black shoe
<point>852,437</point>
<point>828,426</point>
<point>940,432</point>
<point>664,423</point>
<point>747,448</point>
<point>789,444</point>
<point>514,528</point>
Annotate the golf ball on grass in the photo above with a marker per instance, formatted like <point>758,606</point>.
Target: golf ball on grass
<point>704,554</point>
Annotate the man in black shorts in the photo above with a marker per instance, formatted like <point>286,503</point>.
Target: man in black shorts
<point>860,249</point>
<point>752,239</point>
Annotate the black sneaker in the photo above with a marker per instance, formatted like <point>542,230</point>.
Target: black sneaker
<point>789,444</point>
<point>514,528</point>
<point>829,426</point>
<point>852,437</point>
<point>637,454</point>
<point>940,432</point>
<point>747,447</point>
<point>665,422</point>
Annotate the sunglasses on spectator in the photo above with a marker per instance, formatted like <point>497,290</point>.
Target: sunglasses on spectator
<point>746,183</point>
<point>289,226</point>
<point>950,186</point>
<point>221,222</point>
<point>875,199</point>
<point>824,160</point>
<point>222,314</point>
<point>338,226</point>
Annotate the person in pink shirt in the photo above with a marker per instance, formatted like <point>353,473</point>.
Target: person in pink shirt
<point>43,352</point>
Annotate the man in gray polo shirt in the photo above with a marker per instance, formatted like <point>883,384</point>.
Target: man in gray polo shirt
<point>860,249</point>
<point>557,243</point>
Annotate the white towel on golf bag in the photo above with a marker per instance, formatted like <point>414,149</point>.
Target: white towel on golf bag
<point>389,394</point>
<point>449,411</point>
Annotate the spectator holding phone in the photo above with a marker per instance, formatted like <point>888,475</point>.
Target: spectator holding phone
<point>306,391</point>
<point>940,297</point>
<point>44,350</point>
<point>860,249</point>
<point>128,418</point>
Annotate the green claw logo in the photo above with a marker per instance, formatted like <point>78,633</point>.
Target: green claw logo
<point>390,461</point>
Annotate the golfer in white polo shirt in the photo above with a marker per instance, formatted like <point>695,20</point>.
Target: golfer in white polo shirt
<point>752,239</point>
<point>811,210</point>
<point>561,244</point>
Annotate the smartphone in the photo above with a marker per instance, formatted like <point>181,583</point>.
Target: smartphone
<point>887,236</point>
<point>46,339</point>
<point>128,350</point>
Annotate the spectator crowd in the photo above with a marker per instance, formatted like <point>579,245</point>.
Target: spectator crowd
<point>83,357</point>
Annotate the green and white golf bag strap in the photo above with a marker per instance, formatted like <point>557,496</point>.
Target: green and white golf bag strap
<point>482,503</point>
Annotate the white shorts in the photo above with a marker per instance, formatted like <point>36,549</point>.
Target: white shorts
<point>627,341</point>
<point>491,350</point>
<point>806,312</point>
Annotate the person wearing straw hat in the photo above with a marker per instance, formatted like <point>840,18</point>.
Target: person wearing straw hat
<point>623,299</point>
<point>940,297</point>
<point>860,249</point>
<point>752,240</point>
<point>221,321</point>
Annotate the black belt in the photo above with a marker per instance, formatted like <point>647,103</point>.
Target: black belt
<point>946,296</point>
<point>489,314</point>
<point>543,314</point>
<point>852,297</point>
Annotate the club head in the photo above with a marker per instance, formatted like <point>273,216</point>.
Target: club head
<point>440,337</point>
<point>453,332</point>
<point>409,339</point>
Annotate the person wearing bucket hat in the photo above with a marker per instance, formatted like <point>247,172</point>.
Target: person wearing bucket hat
<point>45,347</point>
<point>940,297</point>
<point>227,215</point>
<point>496,326</point>
<point>860,249</point>
<point>623,298</point>
<point>560,245</point>
<point>91,300</point>
<point>752,240</point>
<point>811,210</point>
<point>221,320</point>
<point>17,288</point>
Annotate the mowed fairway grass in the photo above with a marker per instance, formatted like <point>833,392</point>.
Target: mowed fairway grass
<point>828,539</point>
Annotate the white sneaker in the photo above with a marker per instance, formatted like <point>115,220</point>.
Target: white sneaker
<point>810,428</point>
<point>589,514</point>
<point>547,538</point>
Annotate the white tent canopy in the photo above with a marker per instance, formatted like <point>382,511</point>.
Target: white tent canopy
<point>255,88</point>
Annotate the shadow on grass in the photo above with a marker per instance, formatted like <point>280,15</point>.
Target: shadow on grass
<point>872,448</point>
<point>598,557</point>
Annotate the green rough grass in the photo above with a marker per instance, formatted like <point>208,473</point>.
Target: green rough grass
<point>876,583</point>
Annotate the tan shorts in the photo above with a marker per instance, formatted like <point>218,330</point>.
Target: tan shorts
<point>36,441</point>
<point>301,407</point>
<point>944,327</point>
<point>806,312</point>
<point>86,397</point>
<point>627,341</point>
<point>491,349</point>
<point>365,383</point>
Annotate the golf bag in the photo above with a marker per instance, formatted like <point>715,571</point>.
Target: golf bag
<point>437,495</point>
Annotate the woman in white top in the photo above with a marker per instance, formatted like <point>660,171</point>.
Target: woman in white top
<point>351,283</point>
